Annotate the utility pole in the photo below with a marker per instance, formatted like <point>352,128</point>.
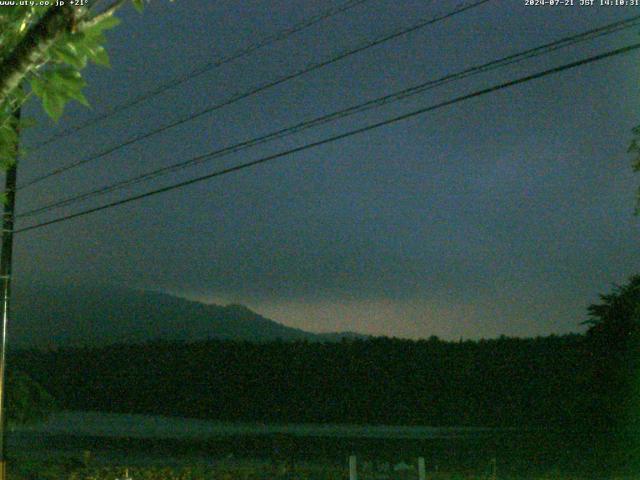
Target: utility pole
<point>353,468</point>
<point>5,286</point>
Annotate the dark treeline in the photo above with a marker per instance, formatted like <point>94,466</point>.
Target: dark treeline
<point>504,382</point>
<point>581,381</point>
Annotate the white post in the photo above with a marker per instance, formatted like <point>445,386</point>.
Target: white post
<point>422,472</point>
<point>353,471</point>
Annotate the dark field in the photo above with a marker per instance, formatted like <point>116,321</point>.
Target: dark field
<point>515,454</point>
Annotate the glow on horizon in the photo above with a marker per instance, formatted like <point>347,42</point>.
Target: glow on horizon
<point>406,318</point>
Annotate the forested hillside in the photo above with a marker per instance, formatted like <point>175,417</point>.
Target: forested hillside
<point>503,382</point>
<point>581,381</point>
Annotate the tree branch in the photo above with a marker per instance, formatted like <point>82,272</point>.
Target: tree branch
<point>107,12</point>
<point>33,47</point>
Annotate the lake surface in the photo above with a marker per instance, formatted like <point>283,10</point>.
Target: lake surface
<point>127,440</point>
<point>100,424</point>
<point>123,439</point>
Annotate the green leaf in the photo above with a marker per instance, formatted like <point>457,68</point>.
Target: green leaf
<point>90,46</point>
<point>53,104</point>
<point>79,96</point>
<point>60,80</point>
<point>68,78</point>
<point>138,4</point>
<point>38,86</point>
<point>8,137</point>
<point>18,97</point>
<point>100,57</point>
<point>70,54</point>
<point>8,145</point>
<point>106,23</point>
<point>92,39</point>
<point>56,87</point>
<point>6,162</point>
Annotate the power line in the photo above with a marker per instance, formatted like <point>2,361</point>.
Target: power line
<point>341,136</point>
<point>374,103</point>
<point>253,91</point>
<point>256,90</point>
<point>242,52</point>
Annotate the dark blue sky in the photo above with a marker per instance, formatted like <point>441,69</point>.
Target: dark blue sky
<point>506,214</point>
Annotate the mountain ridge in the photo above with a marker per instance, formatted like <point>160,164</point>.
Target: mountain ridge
<point>54,316</point>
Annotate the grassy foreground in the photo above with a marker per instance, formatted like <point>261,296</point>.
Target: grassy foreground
<point>75,470</point>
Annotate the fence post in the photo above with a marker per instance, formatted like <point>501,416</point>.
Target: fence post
<point>353,471</point>
<point>422,472</point>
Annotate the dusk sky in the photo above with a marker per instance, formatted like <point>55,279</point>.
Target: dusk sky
<point>505,214</point>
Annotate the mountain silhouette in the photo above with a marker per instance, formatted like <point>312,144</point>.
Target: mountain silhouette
<point>47,316</point>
